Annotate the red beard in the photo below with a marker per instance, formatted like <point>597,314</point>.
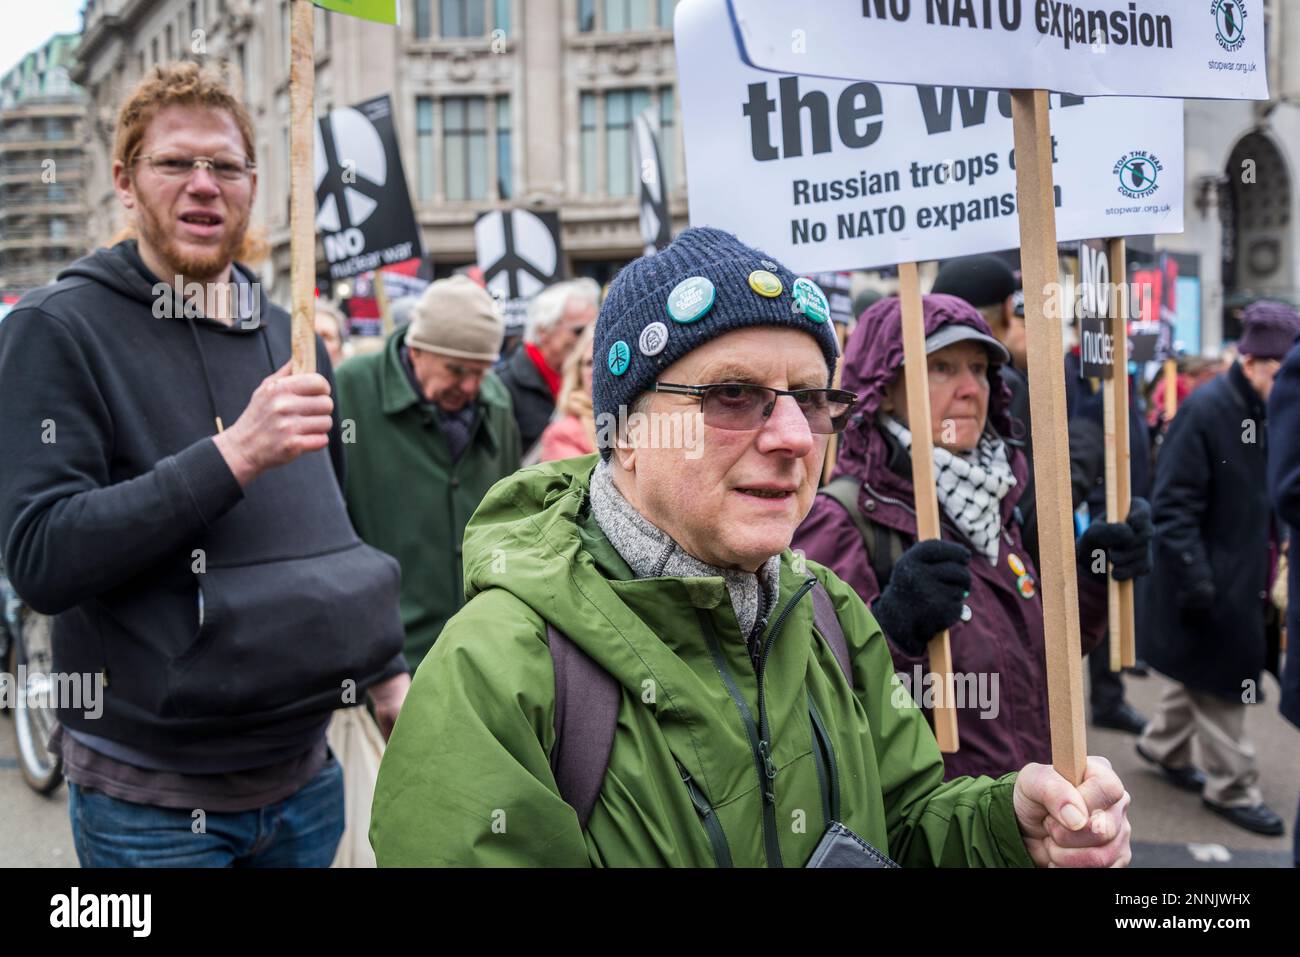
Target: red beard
<point>203,267</point>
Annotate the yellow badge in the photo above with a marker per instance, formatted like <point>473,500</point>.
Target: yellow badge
<point>1016,564</point>
<point>765,283</point>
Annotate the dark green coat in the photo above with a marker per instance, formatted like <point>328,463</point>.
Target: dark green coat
<point>405,494</point>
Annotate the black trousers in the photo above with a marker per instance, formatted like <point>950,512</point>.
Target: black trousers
<point>1106,690</point>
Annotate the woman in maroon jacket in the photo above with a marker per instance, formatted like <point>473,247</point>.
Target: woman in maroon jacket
<point>979,580</point>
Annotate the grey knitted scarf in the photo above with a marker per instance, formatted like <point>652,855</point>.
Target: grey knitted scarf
<point>652,553</point>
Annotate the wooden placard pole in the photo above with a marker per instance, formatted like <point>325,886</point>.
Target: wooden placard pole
<point>381,300</point>
<point>1119,478</point>
<point>1035,198</point>
<point>302,192</point>
<point>1171,388</point>
<point>927,502</point>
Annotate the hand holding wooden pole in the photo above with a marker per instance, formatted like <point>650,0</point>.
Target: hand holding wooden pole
<point>927,503</point>
<point>1040,270</point>
<point>302,192</point>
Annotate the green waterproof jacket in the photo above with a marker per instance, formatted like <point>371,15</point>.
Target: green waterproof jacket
<point>405,494</point>
<point>466,779</point>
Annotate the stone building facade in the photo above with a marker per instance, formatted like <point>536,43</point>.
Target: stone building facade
<point>498,103</point>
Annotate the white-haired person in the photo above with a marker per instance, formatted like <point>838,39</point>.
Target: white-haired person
<point>557,317</point>
<point>573,430</point>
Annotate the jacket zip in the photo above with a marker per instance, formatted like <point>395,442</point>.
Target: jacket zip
<point>712,826</point>
<point>751,729</point>
<point>765,730</point>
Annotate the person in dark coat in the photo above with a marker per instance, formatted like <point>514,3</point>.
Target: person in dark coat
<point>1284,482</point>
<point>979,580</point>
<point>1216,546</point>
<point>532,372</point>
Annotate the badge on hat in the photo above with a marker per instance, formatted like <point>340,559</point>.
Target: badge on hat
<point>619,357</point>
<point>654,338</point>
<point>691,299</point>
<point>810,300</point>
<point>765,283</point>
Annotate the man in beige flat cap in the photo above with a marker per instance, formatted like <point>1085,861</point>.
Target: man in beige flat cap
<point>427,430</point>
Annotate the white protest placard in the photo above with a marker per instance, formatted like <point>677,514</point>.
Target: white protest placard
<point>829,175</point>
<point>1182,48</point>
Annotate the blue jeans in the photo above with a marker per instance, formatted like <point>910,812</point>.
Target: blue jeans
<point>303,830</point>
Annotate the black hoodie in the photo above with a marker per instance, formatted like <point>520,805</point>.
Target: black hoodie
<point>227,622</point>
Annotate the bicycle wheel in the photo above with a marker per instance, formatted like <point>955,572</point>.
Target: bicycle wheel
<point>34,717</point>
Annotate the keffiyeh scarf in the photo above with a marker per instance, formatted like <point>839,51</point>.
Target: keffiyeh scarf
<point>970,486</point>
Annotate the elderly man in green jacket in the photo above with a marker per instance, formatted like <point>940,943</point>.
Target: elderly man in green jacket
<point>427,430</point>
<point>644,674</point>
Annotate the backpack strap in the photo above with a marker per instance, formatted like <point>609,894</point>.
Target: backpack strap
<point>827,624</point>
<point>586,714</point>
<point>883,544</point>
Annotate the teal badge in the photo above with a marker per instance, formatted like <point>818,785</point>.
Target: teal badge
<point>691,299</point>
<point>619,357</point>
<point>810,300</point>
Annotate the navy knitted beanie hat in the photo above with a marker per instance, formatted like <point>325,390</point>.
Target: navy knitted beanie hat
<point>704,284</point>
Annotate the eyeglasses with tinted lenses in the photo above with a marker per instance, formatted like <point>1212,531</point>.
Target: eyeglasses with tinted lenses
<point>741,407</point>
<point>173,164</point>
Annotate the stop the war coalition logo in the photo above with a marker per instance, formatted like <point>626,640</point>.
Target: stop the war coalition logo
<point>1230,19</point>
<point>1139,173</point>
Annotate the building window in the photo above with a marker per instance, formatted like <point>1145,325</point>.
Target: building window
<point>505,179</point>
<point>667,137</point>
<point>608,139</point>
<point>194,16</point>
<point>424,146</point>
<point>626,15</point>
<point>171,43</point>
<point>464,147</point>
<point>620,107</point>
<point>460,18</point>
<point>590,144</point>
<point>284,33</point>
<point>615,16</point>
<point>153,50</point>
<point>501,15</point>
<point>322,37</point>
<point>423,19</point>
<point>139,62</point>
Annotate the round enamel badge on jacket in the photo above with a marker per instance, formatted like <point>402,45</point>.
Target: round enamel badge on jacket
<point>810,300</point>
<point>691,299</point>
<point>765,283</point>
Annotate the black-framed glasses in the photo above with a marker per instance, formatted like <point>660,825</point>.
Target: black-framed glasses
<point>173,164</point>
<point>742,407</point>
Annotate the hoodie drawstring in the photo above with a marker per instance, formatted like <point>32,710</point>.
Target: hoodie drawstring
<point>203,363</point>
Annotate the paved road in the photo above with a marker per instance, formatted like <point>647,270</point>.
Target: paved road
<point>1170,827</point>
<point>34,830</point>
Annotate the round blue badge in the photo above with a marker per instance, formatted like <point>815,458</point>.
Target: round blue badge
<point>619,357</point>
<point>810,300</point>
<point>691,299</point>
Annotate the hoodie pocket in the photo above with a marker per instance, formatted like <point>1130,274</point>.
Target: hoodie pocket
<point>289,635</point>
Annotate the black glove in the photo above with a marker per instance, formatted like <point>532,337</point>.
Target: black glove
<point>1197,600</point>
<point>925,593</point>
<point>1125,545</point>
